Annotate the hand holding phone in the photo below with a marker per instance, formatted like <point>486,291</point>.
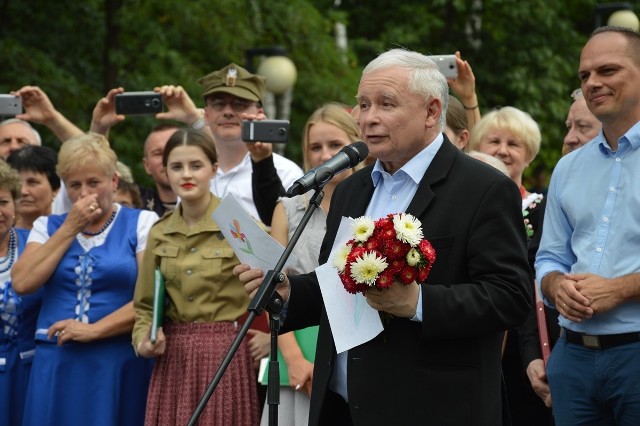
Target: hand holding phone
<point>138,103</point>
<point>272,131</point>
<point>446,64</point>
<point>10,105</point>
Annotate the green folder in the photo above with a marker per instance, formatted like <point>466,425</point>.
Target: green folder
<point>307,339</point>
<point>158,304</point>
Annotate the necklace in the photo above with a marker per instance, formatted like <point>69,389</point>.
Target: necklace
<point>11,252</point>
<point>104,227</point>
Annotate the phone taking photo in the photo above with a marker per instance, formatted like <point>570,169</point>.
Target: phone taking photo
<point>138,103</point>
<point>10,105</point>
<point>446,64</point>
<point>272,131</point>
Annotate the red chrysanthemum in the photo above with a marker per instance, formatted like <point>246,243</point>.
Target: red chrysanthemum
<point>385,279</point>
<point>408,274</point>
<point>347,281</point>
<point>356,252</point>
<point>396,265</point>
<point>373,244</point>
<point>396,249</point>
<point>427,251</point>
<point>423,273</point>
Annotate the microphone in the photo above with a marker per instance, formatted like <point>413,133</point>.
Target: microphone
<point>348,157</point>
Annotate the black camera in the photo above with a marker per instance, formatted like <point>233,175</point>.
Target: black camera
<point>272,131</point>
<point>138,103</point>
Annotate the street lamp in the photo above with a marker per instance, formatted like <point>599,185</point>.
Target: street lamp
<point>619,15</point>
<point>281,74</point>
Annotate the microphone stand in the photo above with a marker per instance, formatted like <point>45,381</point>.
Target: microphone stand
<point>269,299</point>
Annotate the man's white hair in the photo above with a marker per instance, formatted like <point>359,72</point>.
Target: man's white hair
<point>424,79</point>
<point>36,135</point>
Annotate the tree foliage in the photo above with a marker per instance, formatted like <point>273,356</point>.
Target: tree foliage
<point>62,49</point>
<point>523,54</point>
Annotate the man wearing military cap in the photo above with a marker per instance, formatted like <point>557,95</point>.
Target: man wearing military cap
<point>231,94</point>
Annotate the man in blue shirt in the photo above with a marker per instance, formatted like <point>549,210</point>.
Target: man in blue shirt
<point>588,262</point>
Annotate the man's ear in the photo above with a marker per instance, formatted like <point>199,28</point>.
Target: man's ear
<point>463,139</point>
<point>433,112</point>
<point>145,163</point>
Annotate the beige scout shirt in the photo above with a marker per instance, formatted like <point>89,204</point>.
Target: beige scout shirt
<point>197,265</point>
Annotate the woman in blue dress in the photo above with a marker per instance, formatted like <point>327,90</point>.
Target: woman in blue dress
<point>17,314</point>
<point>85,370</point>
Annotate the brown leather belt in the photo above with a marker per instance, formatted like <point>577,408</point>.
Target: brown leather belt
<point>603,341</point>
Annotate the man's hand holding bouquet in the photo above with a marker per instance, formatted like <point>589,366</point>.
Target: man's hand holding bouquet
<point>381,252</point>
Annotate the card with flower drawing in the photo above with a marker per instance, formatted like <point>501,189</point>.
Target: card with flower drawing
<point>249,241</point>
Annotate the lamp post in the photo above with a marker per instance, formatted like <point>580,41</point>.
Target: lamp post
<point>281,74</point>
<point>618,14</point>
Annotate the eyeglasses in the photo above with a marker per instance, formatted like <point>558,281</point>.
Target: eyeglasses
<point>237,104</point>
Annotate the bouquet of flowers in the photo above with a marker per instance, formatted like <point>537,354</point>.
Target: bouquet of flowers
<point>381,251</point>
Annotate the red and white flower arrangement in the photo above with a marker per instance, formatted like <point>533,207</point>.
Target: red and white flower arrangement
<point>390,248</point>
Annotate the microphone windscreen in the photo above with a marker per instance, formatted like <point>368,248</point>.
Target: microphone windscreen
<point>357,152</point>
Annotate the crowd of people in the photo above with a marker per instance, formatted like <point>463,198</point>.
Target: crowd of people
<point>81,246</point>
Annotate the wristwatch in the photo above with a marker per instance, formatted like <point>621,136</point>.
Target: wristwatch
<point>199,123</point>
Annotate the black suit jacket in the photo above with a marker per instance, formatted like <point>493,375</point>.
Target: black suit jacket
<point>445,370</point>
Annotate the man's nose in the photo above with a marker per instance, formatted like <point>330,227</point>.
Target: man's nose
<point>14,146</point>
<point>571,137</point>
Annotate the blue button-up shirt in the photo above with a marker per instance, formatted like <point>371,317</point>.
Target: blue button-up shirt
<point>592,223</point>
<point>392,194</point>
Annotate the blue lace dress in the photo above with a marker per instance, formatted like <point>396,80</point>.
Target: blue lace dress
<point>101,382</point>
<point>18,316</point>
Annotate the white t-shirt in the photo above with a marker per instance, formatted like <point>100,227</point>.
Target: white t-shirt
<point>237,181</point>
<point>40,234</point>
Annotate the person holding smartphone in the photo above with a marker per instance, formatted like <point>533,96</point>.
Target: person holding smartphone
<point>231,95</point>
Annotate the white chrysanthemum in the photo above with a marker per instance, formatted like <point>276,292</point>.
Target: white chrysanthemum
<point>408,228</point>
<point>340,259</point>
<point>365,270</point>
<point>413,257</point>
<point>362,228</point>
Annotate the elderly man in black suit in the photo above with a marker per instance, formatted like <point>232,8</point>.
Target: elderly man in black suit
<point>438,360</point>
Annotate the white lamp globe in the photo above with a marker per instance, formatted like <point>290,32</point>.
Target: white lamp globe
<point>280,73</point>
<point>624,18</point>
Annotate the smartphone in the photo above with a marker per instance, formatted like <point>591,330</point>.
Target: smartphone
<point>447,65</point>
<point>138,103</point>
<point>10,105</point>
<point>272,131</point>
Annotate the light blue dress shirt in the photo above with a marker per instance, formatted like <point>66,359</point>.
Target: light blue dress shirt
<point>392,194</point>
<point>592,223</point>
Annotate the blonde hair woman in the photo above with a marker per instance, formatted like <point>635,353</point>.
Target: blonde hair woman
<point>327,131</point>
<point>513,137</point>
<point>85,370</point>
